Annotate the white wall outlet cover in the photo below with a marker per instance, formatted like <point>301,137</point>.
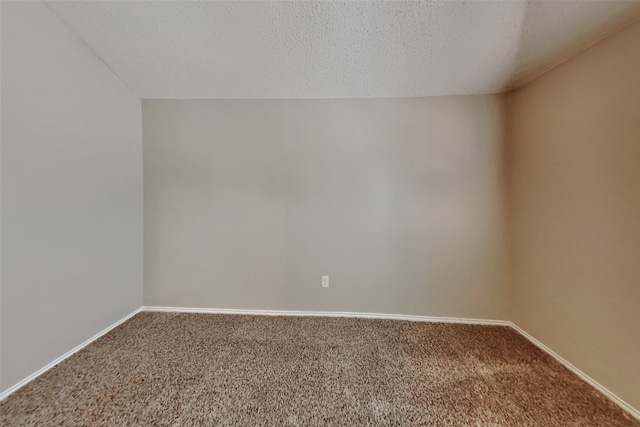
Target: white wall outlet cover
<point>325,281</point>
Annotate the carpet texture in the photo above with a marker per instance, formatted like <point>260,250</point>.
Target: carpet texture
<point>198,370</point>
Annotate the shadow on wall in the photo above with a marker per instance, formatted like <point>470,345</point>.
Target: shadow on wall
<point>454,194</point>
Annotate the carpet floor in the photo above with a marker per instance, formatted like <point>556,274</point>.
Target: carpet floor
<point>164,369</point>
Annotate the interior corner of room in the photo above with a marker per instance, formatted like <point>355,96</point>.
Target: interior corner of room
<point>517,207</point>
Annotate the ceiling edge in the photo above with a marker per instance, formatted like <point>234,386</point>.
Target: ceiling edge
<point>549,62</point>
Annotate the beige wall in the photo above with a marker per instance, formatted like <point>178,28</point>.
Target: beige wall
<point>574,181</point>
<point>249,202</point>
<point>71,193</point>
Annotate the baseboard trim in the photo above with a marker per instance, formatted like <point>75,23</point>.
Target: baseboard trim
<point>328,314</point>
<point>618,401</point>
<point>602,389</point>
<point>69,353</point>
<point>435,319</point>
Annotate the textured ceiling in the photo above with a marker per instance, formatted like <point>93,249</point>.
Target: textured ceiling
<point>335,49</point>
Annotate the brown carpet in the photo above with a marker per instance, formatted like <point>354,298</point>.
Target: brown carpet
<point>196,369</point>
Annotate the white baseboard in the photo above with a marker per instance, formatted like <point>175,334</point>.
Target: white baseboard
<point>329,314</point>
<point>624,405</point>
<point>602,389</point>
<point>45,368</point>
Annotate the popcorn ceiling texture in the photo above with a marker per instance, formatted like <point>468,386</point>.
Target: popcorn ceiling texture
<point>162,369</point>
<point>333,49</point>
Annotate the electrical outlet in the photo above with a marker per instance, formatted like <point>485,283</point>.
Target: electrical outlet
<point>325,281</point>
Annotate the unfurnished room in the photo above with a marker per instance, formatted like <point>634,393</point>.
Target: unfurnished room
<point>320,213</point>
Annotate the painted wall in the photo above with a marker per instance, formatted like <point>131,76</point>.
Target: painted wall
<point>71,192</point>
<point>249,202</point>
<point>575,211</point>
